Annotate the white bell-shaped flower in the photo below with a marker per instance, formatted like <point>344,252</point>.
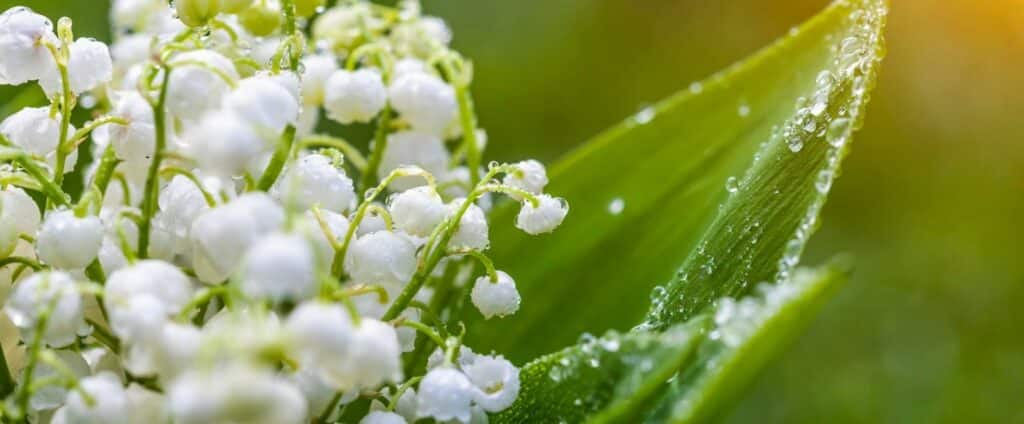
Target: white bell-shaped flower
<point>174,348</point>
<point>375,356</point>
<point>263,103</point>
<point>497,381</point>
<point>107,403</point>
<point>336,224</point>
<point>381,258</point>
<point>382,417</point>
<point>418,211</point>
<point>445,394</point>
<point>193,90</point>
<point>89,65</point>
<point>54,291</point>
<point>235,393</point>
<point>413,148</point>
<point>544,218</point>
<point>418,37</point>
<point>34,130</point>
<point>221,236</point>
<point>408,65</point>
<point>313,180</point>
<point>472,229</point>
<point>66,241</point>
<point>533,177</point>
<point>153,279</point>
<point>134,142</point>
<point>19,214</point>
<point>354,96</point>
<point>51,396</point>
<point>280,267</point>
<point>425,101</point>
<point>181,202</point>
<point>324,336</point>
<point>223,143</point>
<point>316,69</point>
<point>495,298</point>
<point>23,53</point>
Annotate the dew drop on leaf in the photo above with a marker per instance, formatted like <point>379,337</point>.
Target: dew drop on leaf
<point>732,185</point>
<point>616,206</point>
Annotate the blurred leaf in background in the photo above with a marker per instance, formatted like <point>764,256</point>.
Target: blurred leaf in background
<point>929,328</point>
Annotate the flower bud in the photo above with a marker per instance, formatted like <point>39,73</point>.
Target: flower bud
<point>306,8</point>
<point>66,241</point>
<point>382,417</point>
<point>235,6</point>
<point>418,211</point>
<point>107,402</point>
<point>313,180</point>
<point>544,218</point>
<point>496,380</point>
<point>425,101</point>
<point>280,267</point>
<point>495,298</point>
<point>261,19</point>
<point>381,258</point>
<point>195,13</point>
<point>354,96</point>
<point>43,291</point>
<point>23,53</point>
<point>531,177</point>
<point>445,394</point>
<point>472,231</point>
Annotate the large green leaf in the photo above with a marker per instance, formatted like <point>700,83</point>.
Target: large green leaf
<point>604,378</point>
<point>747,335</point>
<point>725,178</point>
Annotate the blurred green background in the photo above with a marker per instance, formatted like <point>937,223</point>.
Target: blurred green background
<point>930,329</point>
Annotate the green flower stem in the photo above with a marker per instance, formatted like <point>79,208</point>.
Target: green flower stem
<point>434,252</point>
<point>380,143</point>
<point>383,214</point>
<point>361,289</point>
<point>105,170</point>
<point>325,416</point>
<point>7,383</point>
<point>152,188</point>
<point>67,103</point>
<point>24,394</point>
<point>400,391</point>
<point>50,188</point>
<point>201,298</point>
<point>467,118</point>
<point>173,170</point>
<point>351,153</point>
<point>506,189</point>
<point>31,263</point>
<point>482,258</point>
<point>284,148</point>
<point>206,66</point>
<point>338,264</point>
<point>79,136</point>
<point>104,336</point>
<point>422,328</point>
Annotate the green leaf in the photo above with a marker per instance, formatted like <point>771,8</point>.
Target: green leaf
<point>650,194</point>
<point>602,378</point>
<point>748,334</point>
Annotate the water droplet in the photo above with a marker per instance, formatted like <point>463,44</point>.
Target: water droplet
<point>732,185</point>
<point>616,206</point>
<point>744,110</point>
<point>644,116</point>
<point>88,101</point>
<point>696,87</point>
<point>657,293</point>
<point>837,130</point>
<point>824,181</point>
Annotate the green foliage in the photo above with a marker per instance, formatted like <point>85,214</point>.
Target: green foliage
<point>728,179</point>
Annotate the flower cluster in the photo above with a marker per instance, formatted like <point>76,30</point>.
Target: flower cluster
<point>228,260</point>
